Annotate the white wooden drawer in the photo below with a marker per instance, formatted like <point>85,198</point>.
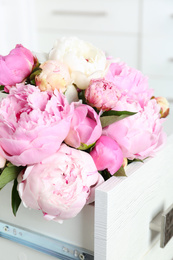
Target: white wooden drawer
<point>162,86</point>
<point>117,228</point>
<point>157,56</point>
<point>113,45</point>
<point>126,206</point>
<point>88,15</point>
<point>156,45</point>
<point>156,253</point>
<point>158,18</point>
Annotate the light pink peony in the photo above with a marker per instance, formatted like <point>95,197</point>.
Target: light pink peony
<point>54,75</point>
<point>130,81</point>
<point>33,124</point>
<point>16,66</point>
<point>85,127</point>
<point>141,135</point>
<point>61,184</point>
<point>102,94</point>
<point>107,155</point>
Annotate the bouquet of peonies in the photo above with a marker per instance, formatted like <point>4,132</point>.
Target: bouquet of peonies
<point>70,122</point>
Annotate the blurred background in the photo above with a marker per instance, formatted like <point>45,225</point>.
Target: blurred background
<point>139,32</point>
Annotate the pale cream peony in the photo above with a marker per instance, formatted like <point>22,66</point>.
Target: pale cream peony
<point>54,75</point>
<point>84,60</point>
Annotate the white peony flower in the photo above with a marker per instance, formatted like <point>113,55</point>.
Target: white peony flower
<point>82,58</point>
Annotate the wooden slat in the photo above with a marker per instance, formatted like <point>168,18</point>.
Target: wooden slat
<point>125,206</point>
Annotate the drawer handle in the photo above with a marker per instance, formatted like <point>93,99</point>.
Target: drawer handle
<point>80,13</point>
<point>163,223</point>
<point>171,59</point>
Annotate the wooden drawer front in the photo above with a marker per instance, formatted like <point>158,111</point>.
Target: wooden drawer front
<point>88,15</point>
<point>162,87</point>
<point>157,56</point>
<point>157,42</point>
<point>125,206</point>
<point>157,253</point>
<point>158,17</point>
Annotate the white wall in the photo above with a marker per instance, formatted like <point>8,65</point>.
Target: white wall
<point>17,24</point>
<point>139,32</point>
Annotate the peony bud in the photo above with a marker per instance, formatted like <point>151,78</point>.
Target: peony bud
<point>107,155</point>
<point>164,106</point>
<point>102,94</point>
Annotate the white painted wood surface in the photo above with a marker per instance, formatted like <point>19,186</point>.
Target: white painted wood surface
<point>17,25</point>
<point>78,231</point>
<point>125,206</point>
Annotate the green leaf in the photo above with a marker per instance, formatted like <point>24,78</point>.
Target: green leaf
<point>9,164</point>
<point>84,147</point>
<point>112,116</point>
<point>35,73</point>
<point>136,160</point>
<point>1,87</point>
<point>81,95</point>
<point>9,174</point>
<point>120,172</point>
<point>15,199</point>
<point>105,174</point>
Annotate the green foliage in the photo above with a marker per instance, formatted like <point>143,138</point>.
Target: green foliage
<point>85,147</point>
<point>35,72</point>
<point>1,87</point>
<point>9,173</point>
<point>15,199</point>
<point>136,160</point>
<point>81,95</point>
<point>120,172</point>
<point>112,116</point>
<point>106,174</point>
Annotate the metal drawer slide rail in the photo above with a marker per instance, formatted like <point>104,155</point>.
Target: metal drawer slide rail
<point>42,243</point>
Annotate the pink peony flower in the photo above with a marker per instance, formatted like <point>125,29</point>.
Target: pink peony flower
<point>107,155</point>
<point>61,184</point>
<point>85,127</point>
<point>54,75</point>
<point>102,94</point>
<point>130,81</point>
<point>141,135</point>
<point>16,66</point>
<point>33,124</point>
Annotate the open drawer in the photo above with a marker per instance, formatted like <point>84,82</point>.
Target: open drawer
<point>116,227</point>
